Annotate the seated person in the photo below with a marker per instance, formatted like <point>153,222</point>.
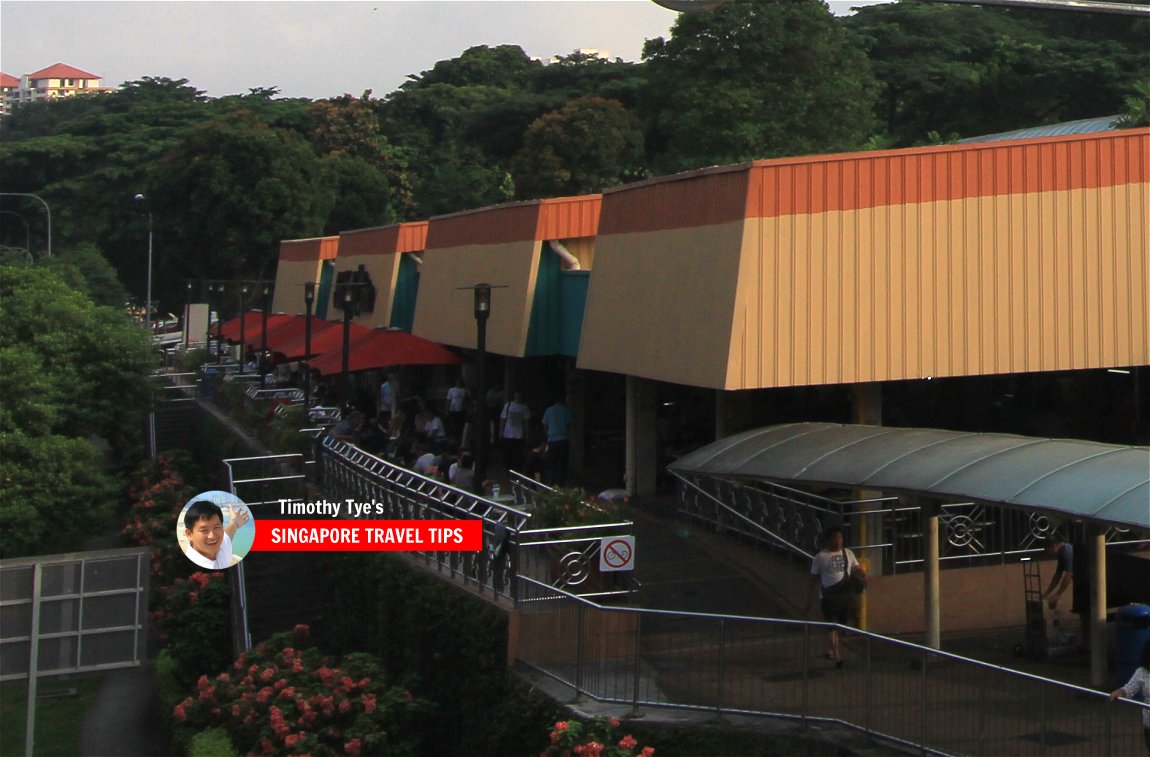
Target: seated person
<point>209,541</point>
<point>461,474</point>
<point>349,429</point>
<point>426,462</point>
<point>433,429</point>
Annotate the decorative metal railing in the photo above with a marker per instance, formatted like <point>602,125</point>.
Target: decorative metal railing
<point>792,521</point>
<point>932,701</point>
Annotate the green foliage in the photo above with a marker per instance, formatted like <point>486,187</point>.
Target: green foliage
<point>285,697</point>
<point>69,370</point>
<point>213,742</point>
<point>587,146</point>
<point>84,268</point>
<point>284,435</point>
<point>194,623</point>
<point>41,478</point>
<point>571,507</point>
<point>1136,107</point>
<point>754,80</point>
<point>977,70</point>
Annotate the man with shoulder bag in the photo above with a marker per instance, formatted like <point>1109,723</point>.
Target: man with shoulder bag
<point>836,572</point>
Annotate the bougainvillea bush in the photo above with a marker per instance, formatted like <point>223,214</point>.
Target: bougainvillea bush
<point>286,698</point>
<point>158,492</point>
<point>599,738</point>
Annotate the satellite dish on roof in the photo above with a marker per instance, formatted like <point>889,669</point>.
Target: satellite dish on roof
<point>689,6</point>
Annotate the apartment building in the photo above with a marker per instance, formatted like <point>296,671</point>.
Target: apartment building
<point>56,81</point>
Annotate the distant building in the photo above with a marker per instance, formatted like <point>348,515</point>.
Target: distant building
<point>59,80</point>
<point>8,84</point>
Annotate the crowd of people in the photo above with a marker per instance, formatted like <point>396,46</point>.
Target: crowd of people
<point>437,436</point>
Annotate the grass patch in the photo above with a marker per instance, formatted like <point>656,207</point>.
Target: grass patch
<point>59,714</point>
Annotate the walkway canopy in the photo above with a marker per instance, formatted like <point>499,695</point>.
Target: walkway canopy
<point>1081,479</point>
<point>253,322</point>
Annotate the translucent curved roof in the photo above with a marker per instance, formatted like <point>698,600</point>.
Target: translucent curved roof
<point>1081,126</point>
<point>1103,482</point>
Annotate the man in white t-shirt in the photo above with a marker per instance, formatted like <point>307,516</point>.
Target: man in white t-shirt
<point>456,408</point>
<point>513,429</point>
<point>829,568</point>
<point>209,541</point>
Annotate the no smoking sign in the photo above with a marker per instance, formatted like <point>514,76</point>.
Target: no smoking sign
<point>617,553</point>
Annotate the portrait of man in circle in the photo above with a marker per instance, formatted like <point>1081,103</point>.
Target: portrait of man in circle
<point>209,532</point>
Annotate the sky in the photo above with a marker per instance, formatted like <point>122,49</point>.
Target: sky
<point>306,48</point>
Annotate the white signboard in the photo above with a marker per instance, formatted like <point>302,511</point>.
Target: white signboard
<point>617,553</point>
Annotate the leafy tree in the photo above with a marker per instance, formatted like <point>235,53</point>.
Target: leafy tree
<point>71,370</point>
<point>1136,107</point>
<point>504,66</point>
<point>589,144</point>
<point>753,80</point>
<point>229,191</point>
<point>965,71</point>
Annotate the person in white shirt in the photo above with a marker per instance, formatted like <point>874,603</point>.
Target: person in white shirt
<point>830,569</point>
<point>209,541</point>
<point>513,429</point>
<point>461,474</point>
<point>457,408</point>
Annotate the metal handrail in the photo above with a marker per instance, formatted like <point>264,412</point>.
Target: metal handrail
<point>628,668</point>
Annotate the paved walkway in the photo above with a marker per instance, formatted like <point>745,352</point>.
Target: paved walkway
<point>124,721</point>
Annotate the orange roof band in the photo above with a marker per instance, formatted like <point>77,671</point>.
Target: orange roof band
<point>556,218</point>
<point>306,250</point>
<point>856,181</point>
<point>384,240</point>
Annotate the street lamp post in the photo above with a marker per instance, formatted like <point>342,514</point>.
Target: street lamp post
<point>482,312</point>
<point>264,333</point>
<point>208,329</point>
<point>345,387</point>
<point>243,325</point>
<point>188,316</point>
<point>148,296</point>
<point>221,298</point>
<point>308,301</point>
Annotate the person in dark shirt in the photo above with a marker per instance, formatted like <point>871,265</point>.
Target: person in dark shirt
<point>1070,573</point>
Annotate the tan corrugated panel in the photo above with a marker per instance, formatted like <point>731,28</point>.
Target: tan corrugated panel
<point>1042,281</point>
<point>378,241</point>
<point>660,303</point>
<point>291,275</point>
<point>444,313</point>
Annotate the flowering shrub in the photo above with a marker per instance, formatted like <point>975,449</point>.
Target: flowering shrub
<point>571,507</point>
<point>192,619</point>
<point>158,493</point>
<point>600,738</point>
<point>283,699</point>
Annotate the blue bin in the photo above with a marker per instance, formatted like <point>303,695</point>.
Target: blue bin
<point>1131,635</point>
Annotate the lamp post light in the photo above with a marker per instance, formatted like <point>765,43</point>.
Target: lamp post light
<point>345,387</point>
<point>208,329</point>
<point>308,301</point>
<point>482,313</point>
<point>148,296</point>
<point>267,288</point>
<point>243,325</point>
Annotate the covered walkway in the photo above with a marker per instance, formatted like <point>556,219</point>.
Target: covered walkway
<point>1104,486</point>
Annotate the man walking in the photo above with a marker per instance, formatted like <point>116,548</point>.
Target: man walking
<point>557,424</point>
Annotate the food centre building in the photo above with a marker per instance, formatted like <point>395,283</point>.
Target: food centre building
<point>996,287</point>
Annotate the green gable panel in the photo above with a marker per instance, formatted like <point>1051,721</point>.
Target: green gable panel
<point>406,289</point>
<point>326,279</point>
<point>557,312</point>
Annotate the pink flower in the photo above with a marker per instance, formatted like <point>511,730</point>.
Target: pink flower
<point>368,703</point>
<point>614,722</point>
<point>561,725</point>
<point>352,747</point>
<point>627,742</point>
<point>344,706</point>
<point>647,751</point>
<point>301,630</point>
<point>267,674</point>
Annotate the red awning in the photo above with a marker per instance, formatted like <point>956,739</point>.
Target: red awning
<point>290,342</point>
<point>253,323</point>
<point>381,348</point>
<point>328,337</point>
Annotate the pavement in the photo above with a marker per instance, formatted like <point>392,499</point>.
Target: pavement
<point>124,720</point>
